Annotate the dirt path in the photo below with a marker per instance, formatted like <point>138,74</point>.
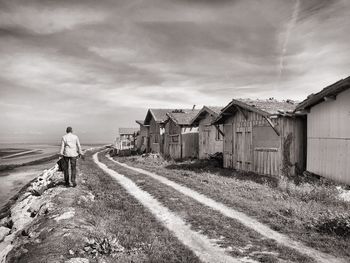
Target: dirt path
<point>241,217</point>
<point>203,247</point>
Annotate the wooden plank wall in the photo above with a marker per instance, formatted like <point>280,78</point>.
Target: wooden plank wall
<point>190,145</point>
<point>251,144</point>
<point>208,144</point>
<point>172,149</point>
<point>228,143</point>
<point>154,136</point>
<point>328,138</point>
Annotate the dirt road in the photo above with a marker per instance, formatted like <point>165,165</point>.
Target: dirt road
<point>156,193</point>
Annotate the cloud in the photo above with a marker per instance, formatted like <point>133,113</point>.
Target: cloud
<point>98,65</point>
<point>45,20</point>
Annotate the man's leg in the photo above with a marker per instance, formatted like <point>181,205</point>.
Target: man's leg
<point>73,164</point>
<point>65,170</point>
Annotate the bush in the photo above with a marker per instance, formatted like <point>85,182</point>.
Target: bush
<point>332,223</point>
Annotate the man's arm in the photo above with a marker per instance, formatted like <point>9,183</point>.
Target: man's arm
<point>62,147</point>
<point>79,147</point>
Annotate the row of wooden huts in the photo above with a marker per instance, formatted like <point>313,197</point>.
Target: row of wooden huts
<point>264,136</point>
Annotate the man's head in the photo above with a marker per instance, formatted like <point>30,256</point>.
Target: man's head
<point>69,129</point>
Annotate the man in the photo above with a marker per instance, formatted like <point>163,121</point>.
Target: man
<point>70,150</point>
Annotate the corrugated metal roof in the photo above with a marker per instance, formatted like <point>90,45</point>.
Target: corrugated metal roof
<point>183,117</point>
<point>331,90</point>
<point>128,130</point>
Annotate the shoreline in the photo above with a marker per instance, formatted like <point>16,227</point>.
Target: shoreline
<point>9,167</point>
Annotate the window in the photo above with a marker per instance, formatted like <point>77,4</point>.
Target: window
<point>175,138</point>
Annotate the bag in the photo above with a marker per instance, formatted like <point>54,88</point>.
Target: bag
<point>61,164</point>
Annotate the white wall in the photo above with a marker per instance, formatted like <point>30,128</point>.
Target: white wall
<point>328,138</point>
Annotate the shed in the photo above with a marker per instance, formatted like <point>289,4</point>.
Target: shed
<point>180,138</point>
<point>142,141</point>
<point>328,131</point>
<point>127,138</point>
<point>263,136</point>
<point>155,119</point>
<point>210,136</point>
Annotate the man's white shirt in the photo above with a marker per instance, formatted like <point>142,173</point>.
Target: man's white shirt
<point>70,146</point>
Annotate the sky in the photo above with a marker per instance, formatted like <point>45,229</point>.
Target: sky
<point>99,65</point>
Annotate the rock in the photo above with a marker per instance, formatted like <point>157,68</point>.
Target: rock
<point>4,231</point>
<point>77,260</point>
<point>36,205</point>
<point>71,252</point>
<point>5,221</point>
<point>19,213</point>
<point>66,215</point>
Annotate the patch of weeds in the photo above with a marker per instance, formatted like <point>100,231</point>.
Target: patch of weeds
<point>332,223</point>
<point>107,246</point>
<point>307,192</point>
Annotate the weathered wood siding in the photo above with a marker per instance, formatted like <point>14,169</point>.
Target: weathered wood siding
<point>190,145</point>
<point>328,138</point>
<point>208,143</point>
<point>250,144</point>
<point>155,139</point>
<point>172,140</point>
<point>143,139</point>
<point>179,144</point>
<point>228,143</point>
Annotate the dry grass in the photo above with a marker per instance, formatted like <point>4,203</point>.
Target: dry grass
<point>239,240</point>
<point>113,227</point>
<point>282,204</point>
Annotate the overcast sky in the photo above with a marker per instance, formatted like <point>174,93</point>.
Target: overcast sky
<point>98,65</point>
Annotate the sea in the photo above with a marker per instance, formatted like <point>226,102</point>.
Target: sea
<point>20,163</point>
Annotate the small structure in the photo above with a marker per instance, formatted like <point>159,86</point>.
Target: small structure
<point>142,141</point>
<point>180,138</point>
<point>127,138</point>
<point>210,136</point>
<point>328,131</point>
<point>263,136</point>
<point>155,119</point>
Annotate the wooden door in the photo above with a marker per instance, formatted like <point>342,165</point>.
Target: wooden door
<point>244,148</point>
<point>206,142</point>
<point>228,143</point>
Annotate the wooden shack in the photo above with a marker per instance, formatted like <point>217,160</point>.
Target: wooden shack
<point>210,136</point>
<point>142,141</point>
<point>155,119</point>
<point>180,138</point>
<point>127,138</point>
<point>328,131</point>
<point>263,136</point>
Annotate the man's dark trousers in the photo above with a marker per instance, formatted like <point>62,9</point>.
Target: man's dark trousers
<point>73,166</point>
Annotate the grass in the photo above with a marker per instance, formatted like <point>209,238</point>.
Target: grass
<point>230,234</point>
<point>108,224</point>
<point>284,205</point>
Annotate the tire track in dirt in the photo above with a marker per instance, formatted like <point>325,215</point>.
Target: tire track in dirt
<point>246,220</point>
<point>204,248</point>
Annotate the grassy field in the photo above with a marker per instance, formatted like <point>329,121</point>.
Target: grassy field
<point>108,224</point>
<point>298,210</point>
